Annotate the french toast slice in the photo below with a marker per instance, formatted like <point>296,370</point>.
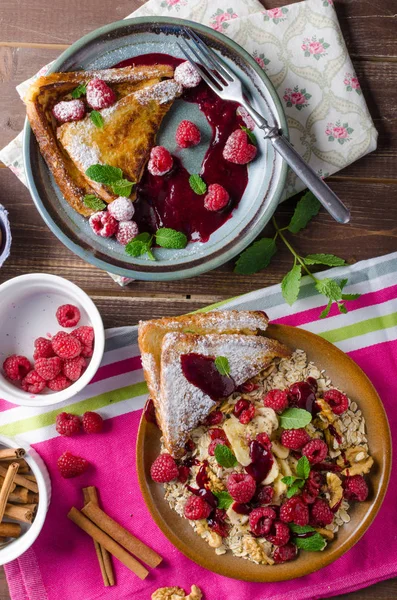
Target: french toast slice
<point>181,405</point>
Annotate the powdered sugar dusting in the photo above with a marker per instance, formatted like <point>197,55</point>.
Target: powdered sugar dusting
<point>162,92</point>
<point>81,154</point>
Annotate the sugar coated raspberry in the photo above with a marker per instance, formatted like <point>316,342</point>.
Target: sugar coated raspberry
<point>294,510</point>
<point>196,508</point>
<point>315,450</point>
<point>43,348</point>
<point>16,367</point>
<point>321,514</point>
<point>103,224</point>
<point>338,402</point>
<point>33,383</point>
<point>187,134</point>
<point>279,534</point>
<point>160,161</point>
<point>67,424</point>
<point>126,232</point>
<point>355,488</point>
<point>217,198</point>
<point>121,209</point>
<point>59,383</point>
<point>70,465</point>
<point>84,334</point>
<point>214,418</point>
<point>48,368</point>
<point>241,487</point>
<point>99,94</point>
<point>68,315</point>
<point>264,494</point>
<point>73,367</point>
<point>66,345</point>
<point>92,422</point>
<point>237,149</point>
<point>295,439</point>
<point>285,553</point>
<point>261,520</point>
<point>247,415</point>
<point>164,469</point>
<point>276,399</point>
<point>186,75</point>
<point>69,110</point>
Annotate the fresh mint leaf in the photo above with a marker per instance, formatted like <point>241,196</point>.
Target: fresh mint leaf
<point>314,543</point>
<point>197,184</point>
<point>291,283</point>
<point>79,91</point>
<point>140,245</point>
<point>350,296</point>
<point>170,238</point>
<point>343,283</point>
<point>104,174</point>
<point>122,187</point>
<point>94,203</point>
<point>224,500</point>
<point>324,259</point>
<point>96,118</point>
<point>295,487</point>
<point>303,467</point>
<point>289,479</point>
<point>256,257</point>
<point>301,528</point>
<point>329,288</point>
<point>342,308</point>
<point>222,365</point>
<point>295,418</point>
<point>326,310</point>
<point>224,456</point>
<point>251,135</point>
<point>307,207</point>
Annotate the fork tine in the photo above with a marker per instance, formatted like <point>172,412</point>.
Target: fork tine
<point>216,62</point>
<point>200,56</point>
<point>209,81</point>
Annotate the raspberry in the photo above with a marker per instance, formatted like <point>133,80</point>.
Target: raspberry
<point>276,399</point>
<point>264,494</point>
<point>59,383</point>
<point>217,433</point>
<point>237,149</point>
<point>66,345</point>
<point>186,75</point>
<point>241,487</point>
<point>187,134</point>
<point>160,161</point>
<point>264,440</point>
<point>196,508</point>
<point>315,451</point>
<point>214,418</point>
<point>43,348</point>
<point>67,424</point>
<point>99,94</point>
<point>48,368</point>
<point>103,224</point>
<point>312,487</point>
<point>126,232</point>
<point>84,334</point>
<point>295,439</point>
<point>247,415</point>
<point>295,511</point>
<point>71,466</point>
<point>214,444</point>
<point>355,488</point>
<point>92,422</point>
<point>217,523</point>
<point>183,474</point>
<point>16,367</point>
<point>261,520</point>
<point>217,198</point>
<point>33,383</point>
<point>285,553</point>
<point>73,367</point>
<point>69,110</point>
<point>87,352</point>
<point>164,469</point>
<point>338,402</point>
<point>279,534</point>
<point>121,209</point>
<point>241,405</point>
<point>68,315</point>
<point>321,514</point>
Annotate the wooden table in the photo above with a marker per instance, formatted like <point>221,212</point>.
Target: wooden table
<point>34,33</point>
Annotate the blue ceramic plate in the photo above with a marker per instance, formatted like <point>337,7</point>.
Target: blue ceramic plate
<point>119,41</point>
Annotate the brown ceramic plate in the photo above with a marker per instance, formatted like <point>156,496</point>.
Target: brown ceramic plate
<point>346,375</point>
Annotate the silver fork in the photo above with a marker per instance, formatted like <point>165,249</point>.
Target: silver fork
<point>221,79</point>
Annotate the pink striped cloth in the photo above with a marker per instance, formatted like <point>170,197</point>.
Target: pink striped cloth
<point>62,565</point>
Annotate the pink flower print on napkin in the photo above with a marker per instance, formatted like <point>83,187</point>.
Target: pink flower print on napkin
<point>173,3</point>
<point>314,47</point>
<point>352,84</point>
<point>277,14</point>
<point>296,97</point>
<point>340,133</point>
<point>260,59</point>
<point>219,20</point>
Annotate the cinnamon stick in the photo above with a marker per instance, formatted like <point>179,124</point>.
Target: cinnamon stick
<point>5,490</point>
<point>30,477</point>
<point>13,486</point>
<point>21,480</point>
<point>91,495</point>
<point>25,513</point>
<point>23,465</point>
<point>121,535</point>
<point>20,495</point>
<point>107,542</point>
<point>12,453</point>
<point>13,530</point>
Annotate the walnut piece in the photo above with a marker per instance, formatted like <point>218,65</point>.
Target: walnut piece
<point>359,468</point>
<point>359,461</point>
<point>195,593</point>
<point>214,540</point>
<point>215,484</point>
<point>252,547</point>
<point>201,526</point>
<point>335,489</point>
<point>326,533</point>
<point>176,593</point>
<point>326,411</point>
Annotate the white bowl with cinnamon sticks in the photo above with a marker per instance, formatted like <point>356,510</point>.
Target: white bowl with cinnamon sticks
<point>25,492</point>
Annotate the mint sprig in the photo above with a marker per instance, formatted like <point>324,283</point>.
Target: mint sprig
<point>197,184</point>
<point>314,543</point>
<point>295,483</point>
<point>140,245</point>
<point>251,135</point>
<point>93,202</point>
<point>170,238</point>
<point>165,237</point>
<point>112,177</point>
<point>295,418</point>
<point>224,456</point>
<point>256,257</point>
<point>79,91</point>
<point>222,365</point>
<point>224,500</point>
<point>97,119</point>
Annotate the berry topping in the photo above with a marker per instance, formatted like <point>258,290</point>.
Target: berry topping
<point>84,334</point>
<point>276,399</point>
<point>247,415</point>
<point>321,514</point>
<point>264,440</point>
<point>295,511</point>
<point>264,494</point>
<point>217,198</point>
<point>196,508</point>
<point>315,450</point>
<point>69,110</point>
<point>237,149</point>
<point>214,418</point>
<point>213,444</point>
<point>71,466</point>
<point>312,487</point>
<point>261,520</point>
<point>241,405</point>
<point>248,387</point>
<point>285,553</point>
<point>338,402</point>
<point>160,161</point>
<point>16,367</point>
<point>66,345</point>
<point>43,348</point>
<point>164,469</point>
<point>183,475</point>
<point>295,439</point>
<point>187,134</point>
<point>67,424</point>
<point>92,422</point>
<point>99,94</point>
<point>186,75</point>
<point>48,368</point>
<point>68,315</point>
<point>355,488</point>
<point>126,232</point>
<point>217,433</point>
<point>73,367</point>
<point>59,383</point>
<point>279,534</point>
<point>102,223</point>
<point>121,209</point>
<point>33,383</point>
<point>241,487</point>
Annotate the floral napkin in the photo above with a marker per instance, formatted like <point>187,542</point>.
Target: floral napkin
<point>302,50</point>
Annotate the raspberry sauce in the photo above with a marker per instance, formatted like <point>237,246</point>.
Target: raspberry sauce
<point>169,201</point>
<point>149,412</point>
<point>262,461</point>
<point>201,371</point>
<point>202,491</point>
<point>302,394</point>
